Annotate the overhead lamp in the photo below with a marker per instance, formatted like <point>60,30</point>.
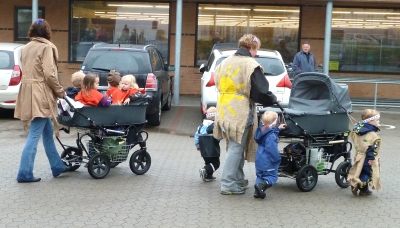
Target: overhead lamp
<point>131,5</point>
<point>99,12</point>
<point>223,8</point>
<point>277,10</point>
<point>341,12</point>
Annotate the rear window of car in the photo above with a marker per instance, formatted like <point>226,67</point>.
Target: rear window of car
<point>6,60</point>
<point>122,61</point>
<point>272,66</point>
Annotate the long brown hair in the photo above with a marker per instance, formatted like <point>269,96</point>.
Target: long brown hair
<point>88,83</point>
<point>40,28</point>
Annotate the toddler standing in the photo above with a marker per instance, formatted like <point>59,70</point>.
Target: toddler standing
<point>366,168</point>
<point>208,146</point>
<point>267,156</point>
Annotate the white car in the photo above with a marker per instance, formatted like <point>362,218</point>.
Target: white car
<point>10,73</point>
<point>274,71</point>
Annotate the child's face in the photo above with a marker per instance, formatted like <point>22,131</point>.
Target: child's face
<point>96,83</point>
<point>374,122</point>
<point>125,84</point>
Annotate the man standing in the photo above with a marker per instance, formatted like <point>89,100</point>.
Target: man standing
<point>304,61</point>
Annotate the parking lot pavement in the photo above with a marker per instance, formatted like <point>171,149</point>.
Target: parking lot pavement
<point>171,193</point>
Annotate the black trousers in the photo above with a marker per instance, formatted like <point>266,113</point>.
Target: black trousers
<point>211,162</point>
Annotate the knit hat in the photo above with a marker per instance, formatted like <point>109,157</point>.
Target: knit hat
<point>211,113</point>
<point>113,78</point>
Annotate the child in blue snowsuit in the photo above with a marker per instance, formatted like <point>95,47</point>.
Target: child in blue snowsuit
<point>208,146</point>
<point>267,156</point>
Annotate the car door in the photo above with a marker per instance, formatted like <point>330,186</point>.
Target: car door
<point>161,75</point>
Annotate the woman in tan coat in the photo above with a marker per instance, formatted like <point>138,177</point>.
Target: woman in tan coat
<point>37,100</point>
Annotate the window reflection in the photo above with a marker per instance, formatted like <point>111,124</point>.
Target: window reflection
<point>365,40</point>
<point>139,23</point>
<point>277,28</point>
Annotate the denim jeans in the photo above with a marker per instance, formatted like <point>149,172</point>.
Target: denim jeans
<point>39,127</point>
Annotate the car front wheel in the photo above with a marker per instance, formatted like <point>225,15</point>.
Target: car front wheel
<point>155,118</point>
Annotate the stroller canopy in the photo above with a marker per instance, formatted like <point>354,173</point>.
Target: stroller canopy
<point>317,92</point>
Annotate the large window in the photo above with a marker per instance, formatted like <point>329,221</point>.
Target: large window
<point>23,21</point>
<point>276,26</point>
<point>118,22</point>
<point>365,40</point>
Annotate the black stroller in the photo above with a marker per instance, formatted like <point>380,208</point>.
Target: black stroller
<point>105,137</point>
<point>318,126</point>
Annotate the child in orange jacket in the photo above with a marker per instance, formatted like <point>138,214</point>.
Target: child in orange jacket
<point>113,80</point>
<point>127,87</point>
<point>89,95</point>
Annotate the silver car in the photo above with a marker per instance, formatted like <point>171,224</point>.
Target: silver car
<point>10,73</point>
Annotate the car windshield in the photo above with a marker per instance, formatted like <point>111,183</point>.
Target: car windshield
<point>6,60</point>
<point>122,61</point>
<point>272,66</point>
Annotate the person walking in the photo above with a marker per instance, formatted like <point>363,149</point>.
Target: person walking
<point>304,61</point>
<point>37,100</point>
<point>241,82</point>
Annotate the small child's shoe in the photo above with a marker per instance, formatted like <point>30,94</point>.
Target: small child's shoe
<point>365,191</point>
<point>260,190</point>
<point>209,178</point>
<point>354,190</point>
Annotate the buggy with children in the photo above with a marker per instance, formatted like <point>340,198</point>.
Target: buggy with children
<point>105,133</point>
<point>317,128</point>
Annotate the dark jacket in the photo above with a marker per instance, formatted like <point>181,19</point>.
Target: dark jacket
<point>303,62</point>
<point>72,91</point>
<point>267,156</point>
<point>363,129</point>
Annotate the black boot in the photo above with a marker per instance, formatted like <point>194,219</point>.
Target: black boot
<point>365,191</point>
<point>260,189</point>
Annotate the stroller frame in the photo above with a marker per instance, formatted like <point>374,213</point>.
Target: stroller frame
<point>94,153</point>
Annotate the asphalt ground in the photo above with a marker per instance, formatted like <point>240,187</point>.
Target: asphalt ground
<point>171,193</point>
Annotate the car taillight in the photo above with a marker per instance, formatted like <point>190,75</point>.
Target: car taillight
<point>16,76</point>
<point>285,82</point>
<point>151,83</point>
<point>211,82</point>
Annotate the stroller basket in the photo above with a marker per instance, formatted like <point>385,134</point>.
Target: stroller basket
<point>115,153</point>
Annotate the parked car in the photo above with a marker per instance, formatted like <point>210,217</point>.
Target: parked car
<point>274,71</point>
<point>10,73</point>
<point>144,62</point>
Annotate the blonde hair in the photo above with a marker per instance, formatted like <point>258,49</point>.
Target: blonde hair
<point>368,113</point>
<point>249,41</point>
<point>77,78</point>
<point>268,117</point>
<point>131,79</point>
<point>88,82</point>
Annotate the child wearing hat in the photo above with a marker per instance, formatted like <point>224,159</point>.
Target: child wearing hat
<point>77,80</point>
<point>366,168</point>
<point>113,79</point>
<point>208,146</point>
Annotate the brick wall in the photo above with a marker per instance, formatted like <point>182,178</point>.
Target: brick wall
<point>312,30</point>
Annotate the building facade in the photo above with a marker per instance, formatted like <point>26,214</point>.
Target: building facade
<point>365,34</point>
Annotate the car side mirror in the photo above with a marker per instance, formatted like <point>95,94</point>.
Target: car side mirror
<point>170,68</point>
<point>202,68</point>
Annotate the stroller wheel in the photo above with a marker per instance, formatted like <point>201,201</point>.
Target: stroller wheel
<point>140,162</point>
<point>342,171</point>
<point>307,178</point>
<point>72,157</point>
<point>99,166</point>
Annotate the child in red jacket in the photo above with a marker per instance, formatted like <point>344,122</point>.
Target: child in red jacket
<point>127,88</point>
<point>89,95</point>
<point>113,80</point>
